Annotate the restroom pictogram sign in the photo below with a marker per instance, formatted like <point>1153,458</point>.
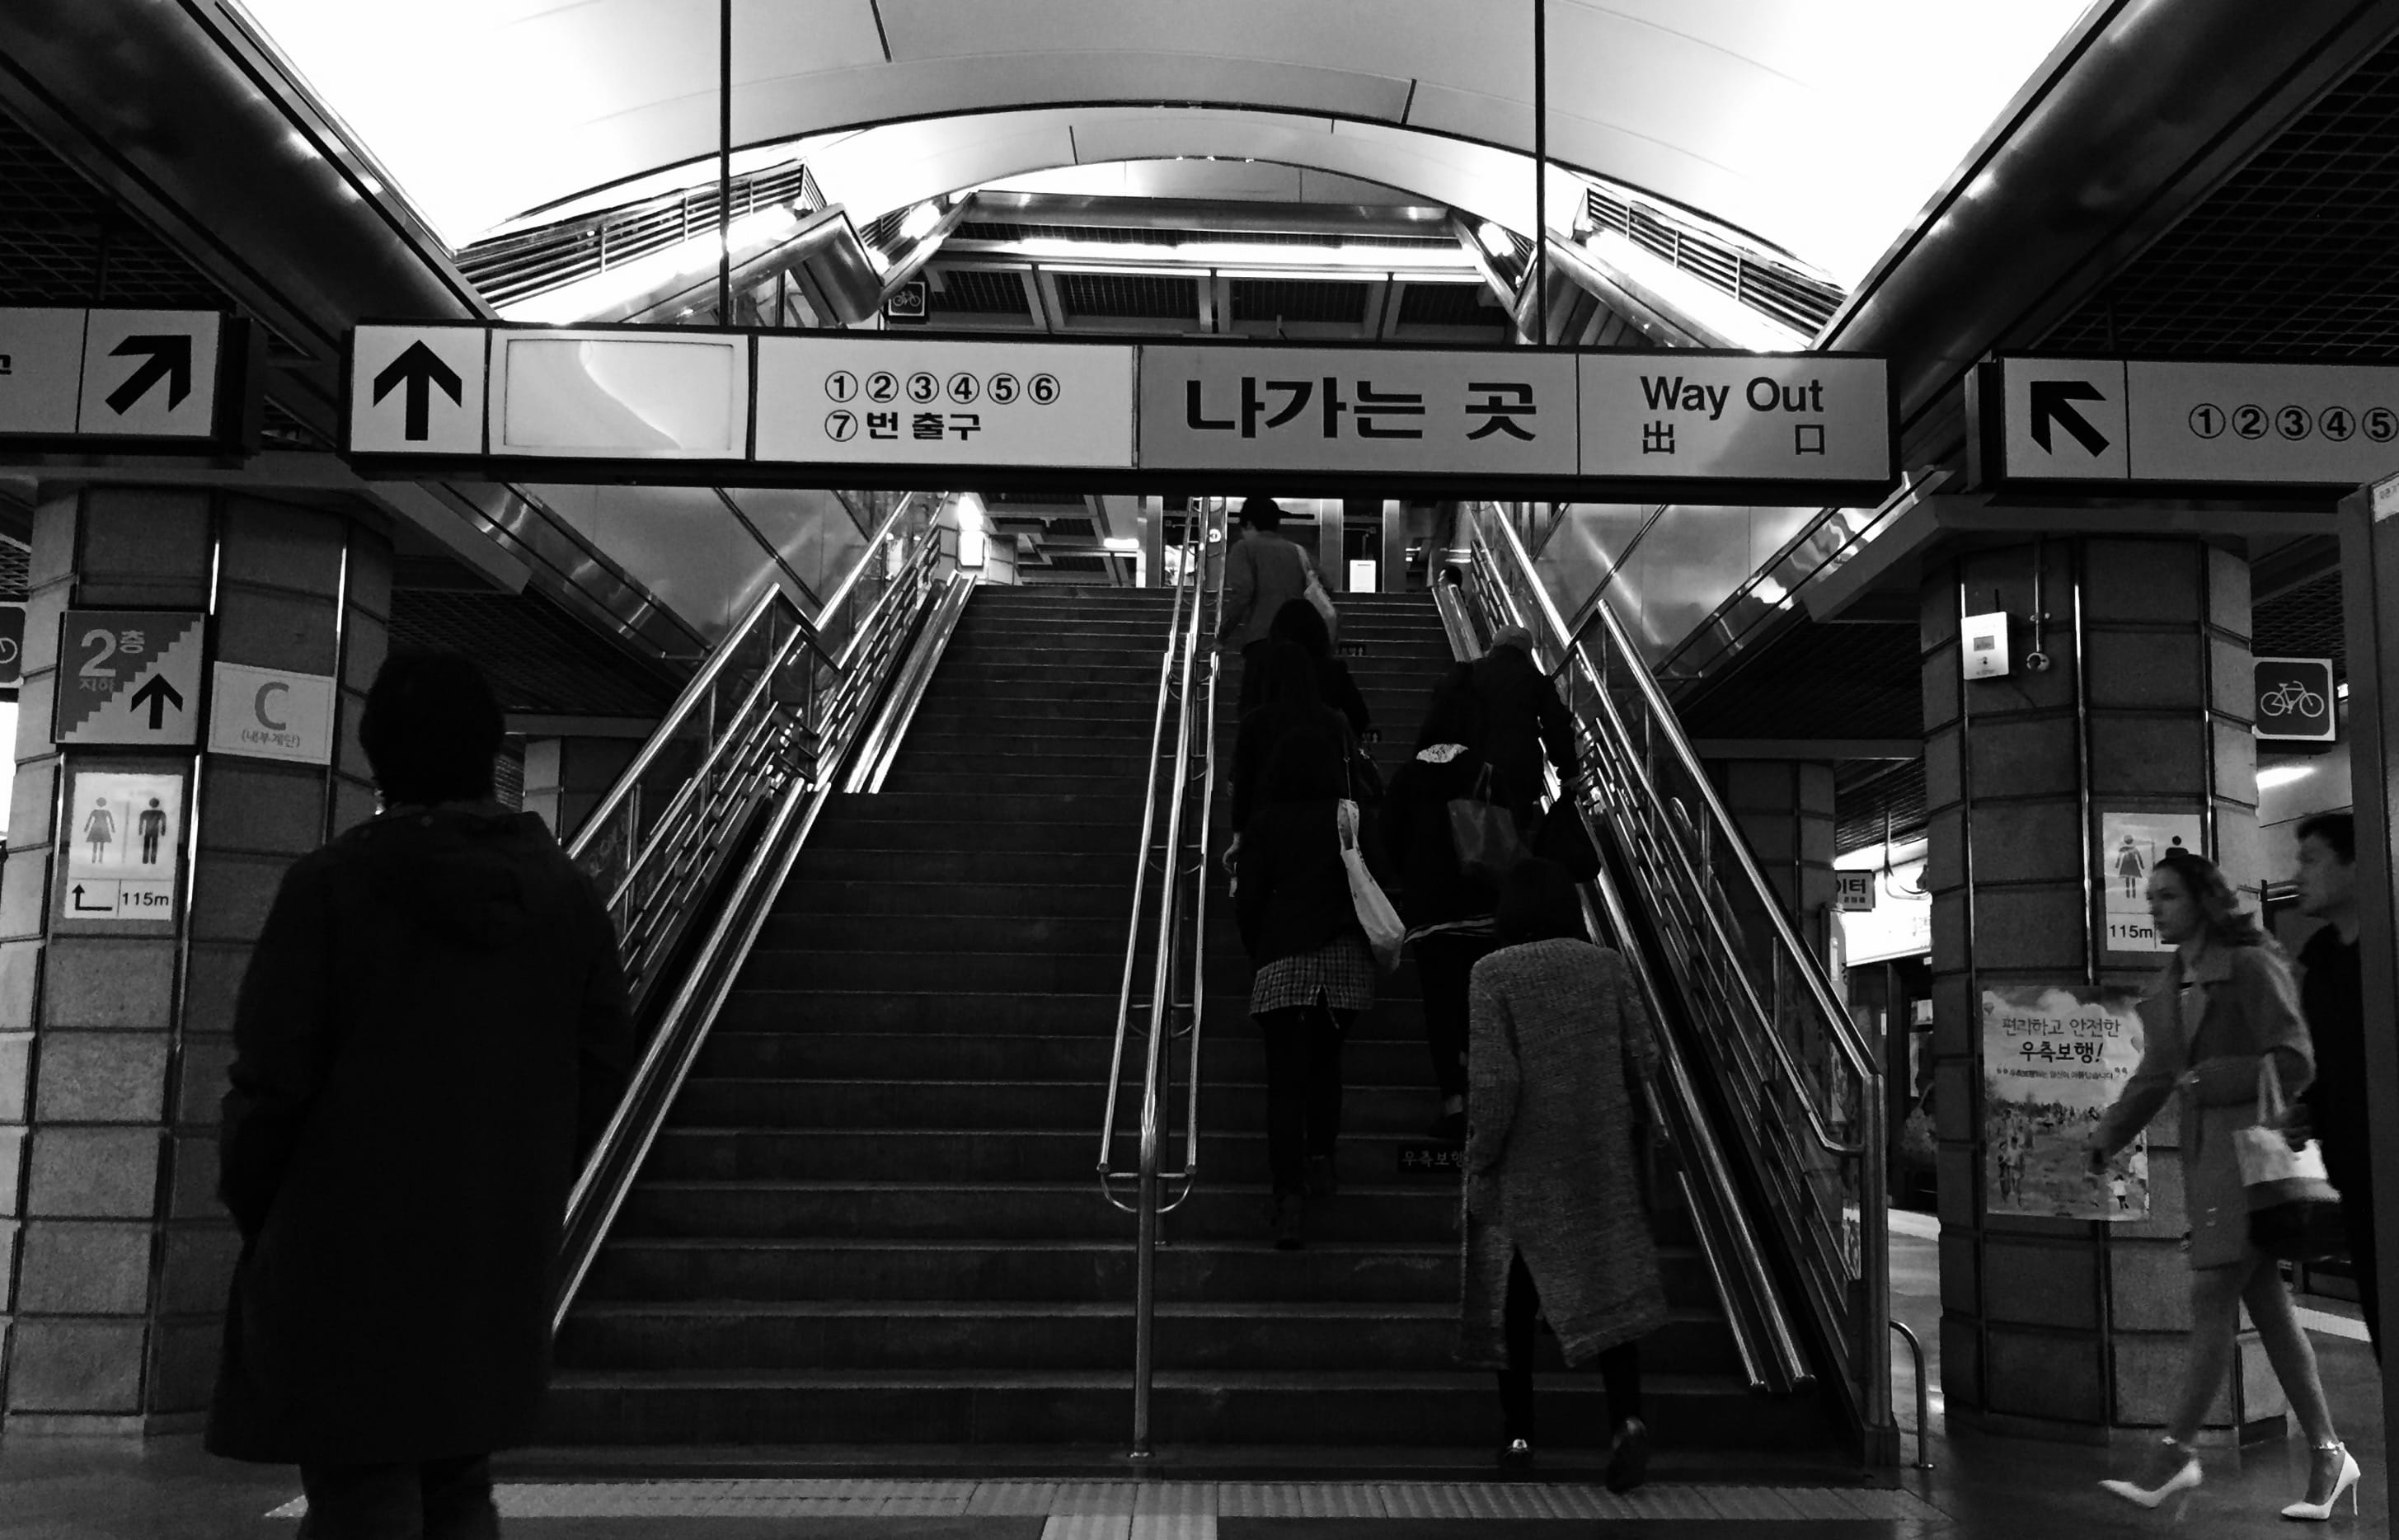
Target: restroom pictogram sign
<point>129,678</point>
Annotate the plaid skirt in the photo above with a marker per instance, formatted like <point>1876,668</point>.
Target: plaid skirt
<point>1341,973</point>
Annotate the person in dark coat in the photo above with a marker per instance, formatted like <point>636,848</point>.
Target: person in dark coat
<point>1522,719</point>
<point>2333,999</point>
<point>431,1032</point>
<point>1298,623</point>
<point>1264,571</point>
<point>1313,973</point>
<point>1288,700</point>
<point>1450,916</point>
<point>1553,1214</point>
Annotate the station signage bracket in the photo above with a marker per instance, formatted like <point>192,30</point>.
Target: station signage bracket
<point>902,410</point>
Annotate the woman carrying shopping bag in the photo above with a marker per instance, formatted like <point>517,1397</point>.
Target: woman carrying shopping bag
<point>1559,1040</point>
<point>2223,1003</point>
<point>1314,972</point>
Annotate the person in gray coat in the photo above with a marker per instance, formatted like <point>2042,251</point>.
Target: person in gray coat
<point>1262,572</point>
<point>1556,1032</point>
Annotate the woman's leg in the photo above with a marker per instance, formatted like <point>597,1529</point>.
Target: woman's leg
<point>1620,1371</point>
<point>1443,964</point>
<point>1516,1330</point>
<point>2214,1319</point>
<point>2288,1349</point>
<point>1286,1033</point>
<point>1325,1030</point>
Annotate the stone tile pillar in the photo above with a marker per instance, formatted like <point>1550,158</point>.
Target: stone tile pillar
<point>112,1050</point>
<point>2066,1328</point>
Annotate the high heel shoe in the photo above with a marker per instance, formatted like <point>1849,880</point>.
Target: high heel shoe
<point>2176,1467</point>
<point>1517,1454</point>
<point>2332,1471</point>
<point>1628,1455</point>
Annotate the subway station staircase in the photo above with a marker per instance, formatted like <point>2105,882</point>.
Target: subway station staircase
<point>871,1218</point>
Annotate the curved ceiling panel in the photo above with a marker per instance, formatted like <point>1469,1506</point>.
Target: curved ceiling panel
<point>1817,128</point>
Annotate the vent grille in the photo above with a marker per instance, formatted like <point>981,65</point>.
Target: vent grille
<point>2295,253</point>
<point>1865,679</point>
<point>508,268</point>
<point>976,291</point>
<point>1791,297</point>
<point>1124,236</point>
<point>14,579</point>
<point>1448,304</point>
<point>1124,295</point>
<point>540,661</point>
<point>1298,300</point>
<point>1865,796</point>
<point>64,241</point>
<point>2303,622</point>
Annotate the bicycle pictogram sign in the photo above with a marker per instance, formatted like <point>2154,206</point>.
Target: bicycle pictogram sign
<point>2294,698</point>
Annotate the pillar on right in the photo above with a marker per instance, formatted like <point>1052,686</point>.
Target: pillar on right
<point>2051,791</point>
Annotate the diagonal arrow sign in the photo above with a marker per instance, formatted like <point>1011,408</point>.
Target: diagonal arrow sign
<point>2053,402</point>
<point>157,694</point>
<point>419,369</point>
<point>169,358</point>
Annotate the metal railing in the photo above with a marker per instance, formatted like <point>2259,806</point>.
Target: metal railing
<point>1176,905</point>
<point>1801,1086</point>
<point>765,729</point>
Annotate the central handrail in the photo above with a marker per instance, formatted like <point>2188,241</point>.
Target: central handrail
<point>1178,936</point>
<point>1821,1186</point>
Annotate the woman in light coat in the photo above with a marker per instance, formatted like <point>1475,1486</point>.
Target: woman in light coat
<point>2224,1003</point>
<point>1558,1033</point>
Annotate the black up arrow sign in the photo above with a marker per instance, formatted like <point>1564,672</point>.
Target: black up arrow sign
<point>2053,402</point>
<point>156,694</point>
<point>420,369</point>
<point>168,359</point>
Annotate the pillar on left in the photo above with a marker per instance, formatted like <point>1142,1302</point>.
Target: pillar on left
<point>114,1255</point>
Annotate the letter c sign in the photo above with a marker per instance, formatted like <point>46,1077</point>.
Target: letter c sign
<point>273,687</point>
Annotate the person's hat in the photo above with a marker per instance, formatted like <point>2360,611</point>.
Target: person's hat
<point>1513,636</point>
<point>1261,512</point>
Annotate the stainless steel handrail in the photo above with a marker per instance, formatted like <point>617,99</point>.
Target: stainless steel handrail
<point>607,1174</point>
<point>1845,1275</point>
<point>1179,935</point>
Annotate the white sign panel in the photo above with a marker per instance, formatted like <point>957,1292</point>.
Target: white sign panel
<point>129,677</point>
<point>1388,410</point>
<point>658,394</point>
<point>2062,419</point>
<point>853,401</point>
<point>2385,498</point>
<point>1745,416</point>
<point>152,373</point>
<point>2129,845</point>
<point>272,714</point>
<point>121,835</point>
<point>417,389</point>
<point>1853,892</point>
<point>2279,423</point>
<point>41,371</point>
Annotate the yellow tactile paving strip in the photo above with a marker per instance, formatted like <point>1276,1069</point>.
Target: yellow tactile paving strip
<point>1180,1510</point>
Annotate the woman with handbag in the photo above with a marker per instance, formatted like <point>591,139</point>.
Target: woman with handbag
<point>1553,1213</point>
<point>2223,1018</point>
<point>1298,623</point>
<point>1314,973</point>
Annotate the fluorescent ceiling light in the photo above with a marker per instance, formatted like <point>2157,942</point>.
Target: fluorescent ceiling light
<point>2283,775</point>
<point>1283,259</point>
<point>1121,543</point>
<point>920,222</point>
<point>1494,241</point>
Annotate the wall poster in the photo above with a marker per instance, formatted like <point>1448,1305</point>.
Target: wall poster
<point>2054,1057</point>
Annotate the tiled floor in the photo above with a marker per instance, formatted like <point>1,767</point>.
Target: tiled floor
<point>167,1490</point>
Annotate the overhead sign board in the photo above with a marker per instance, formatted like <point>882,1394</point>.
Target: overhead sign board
<point>271,715</point>
<point>2185,423</point>
<point>121,379</point>
<point>1736,416</point>
<point>612,402</point>
<point>123,829</point>
<point>831,399</point>
<point>1388,410</point>
<point>2295,700</point>
<point>416,389</point>
<point>129,678</point>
